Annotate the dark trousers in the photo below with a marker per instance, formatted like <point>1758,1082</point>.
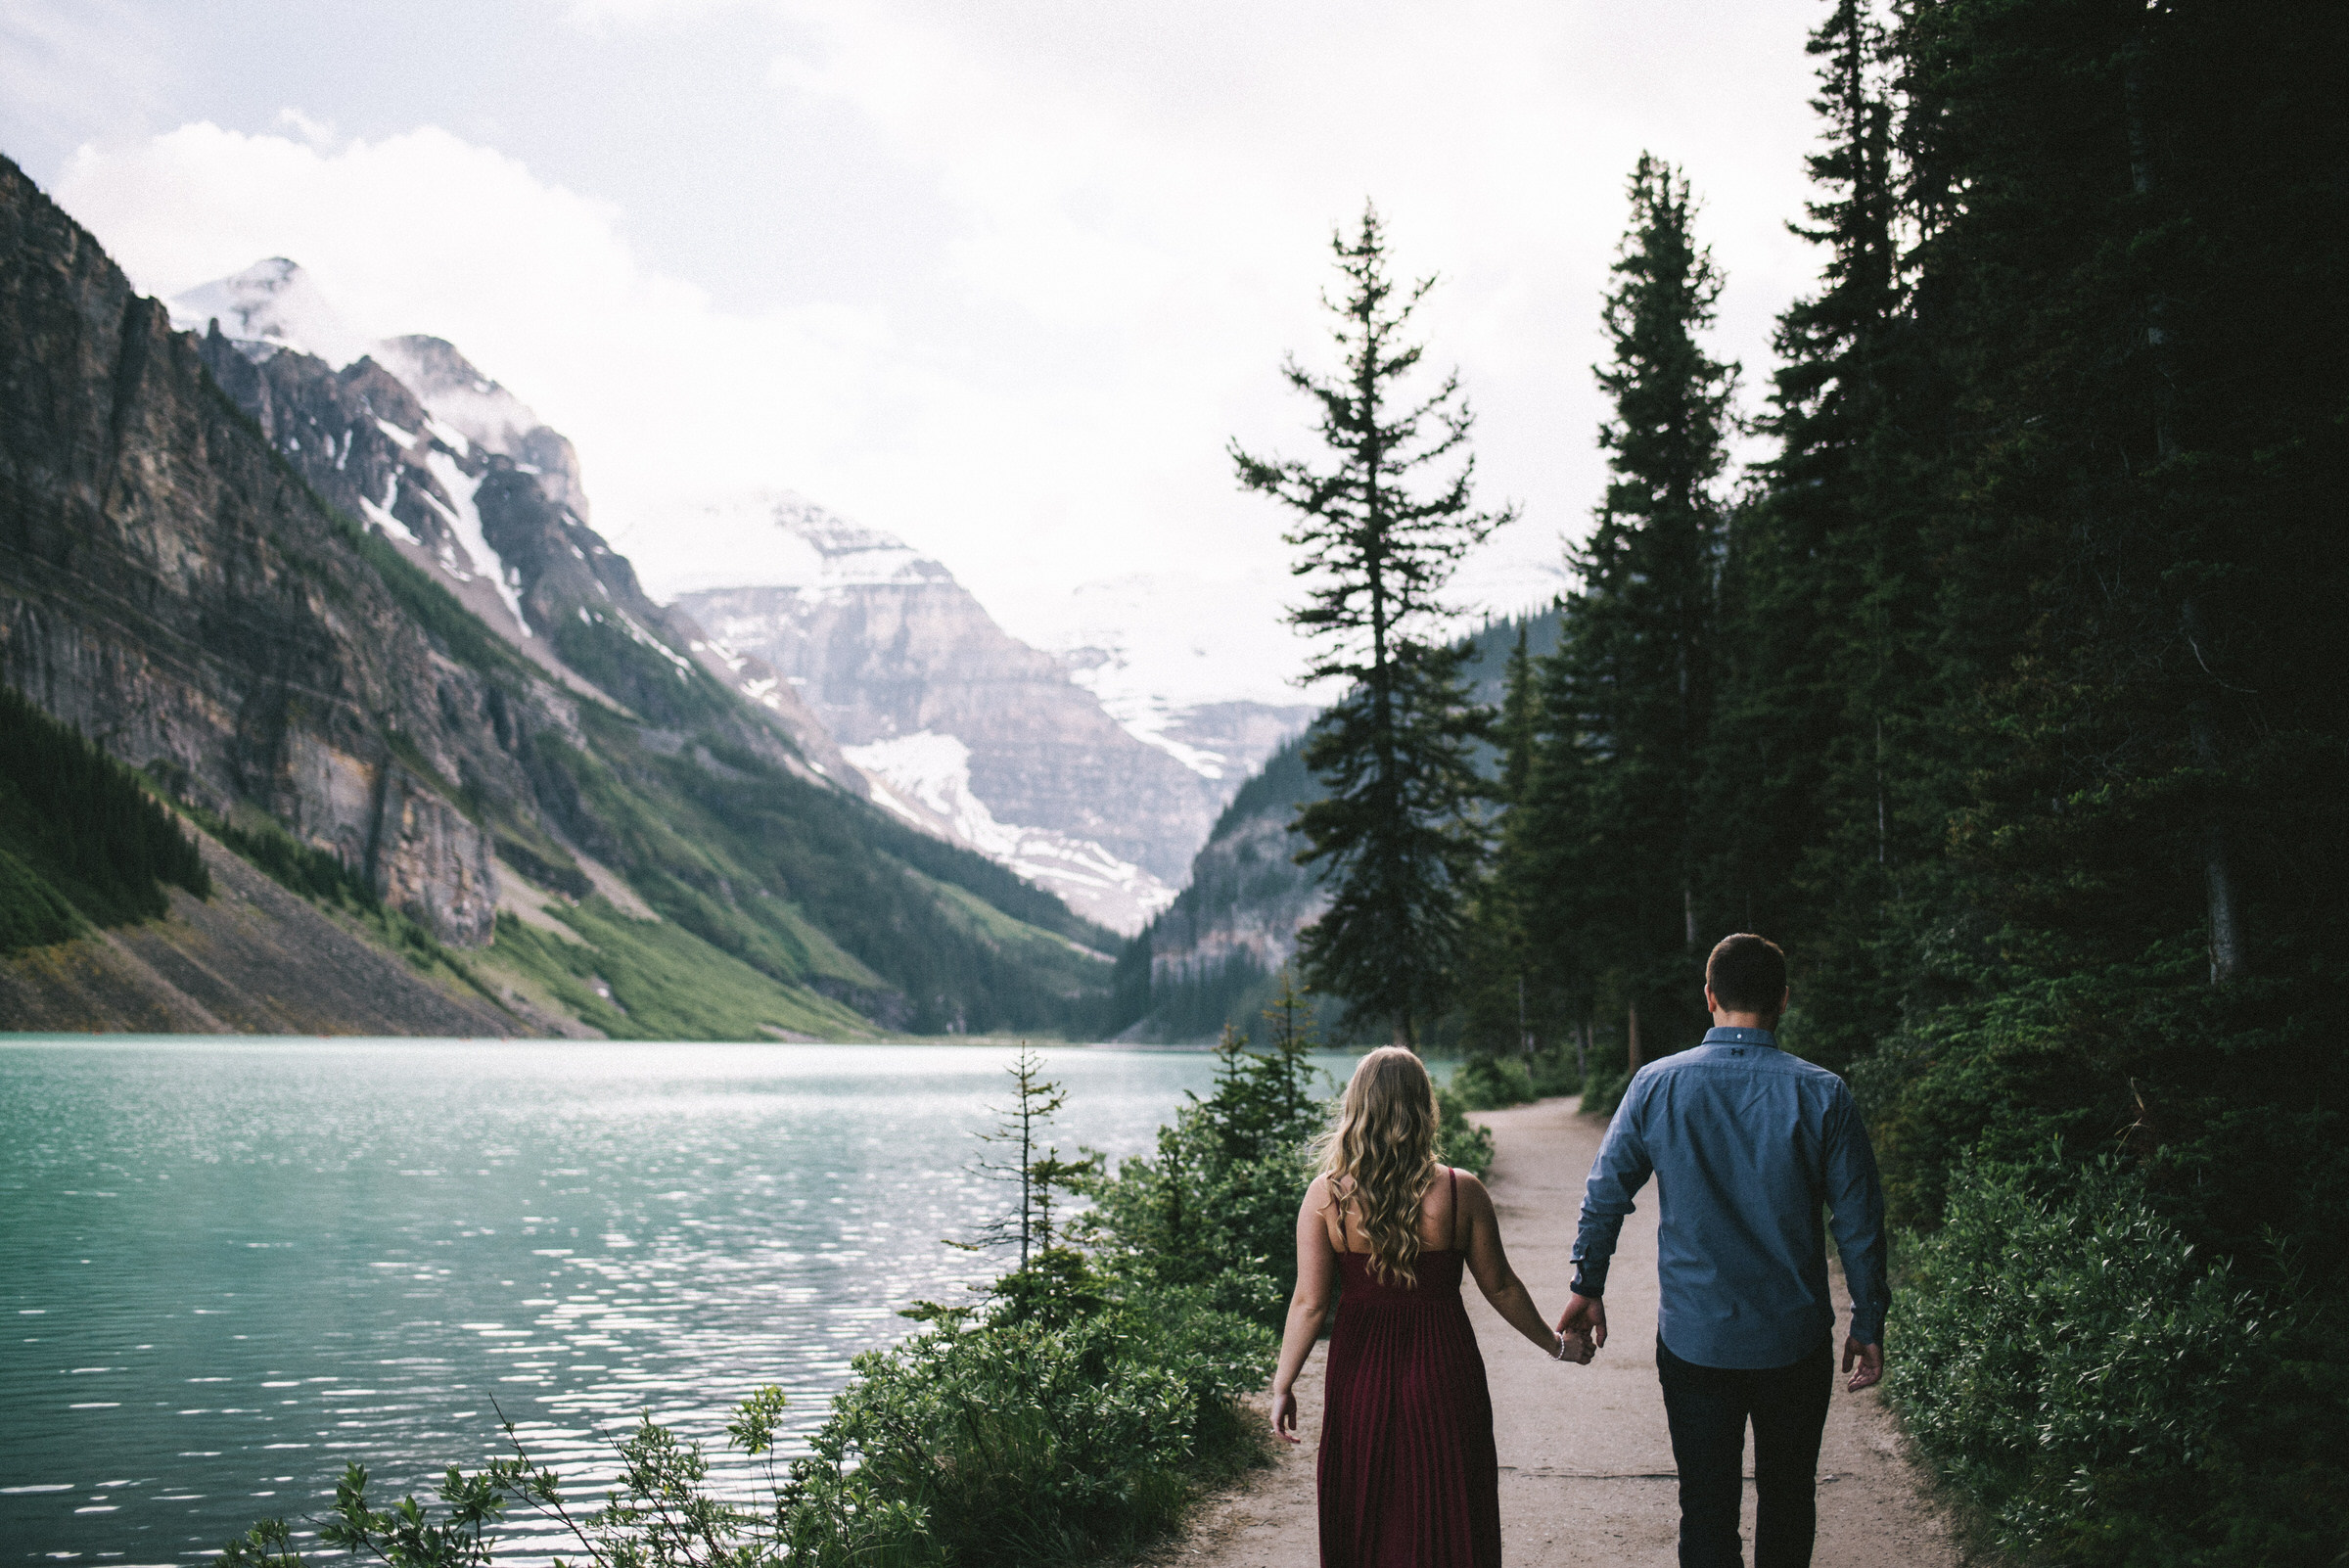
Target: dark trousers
<point>1708,1408</point>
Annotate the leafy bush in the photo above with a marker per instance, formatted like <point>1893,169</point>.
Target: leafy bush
<point>1215,1205</point>
<point>2102,1391</point>
<point>1555,1072</point>
<point>1602,1089</point>
<point>1490,1083</point>
<point>1458,1140</point>
<point>1020,1441</point>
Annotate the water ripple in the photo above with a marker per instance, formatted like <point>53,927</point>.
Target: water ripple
<point>233,1266</point>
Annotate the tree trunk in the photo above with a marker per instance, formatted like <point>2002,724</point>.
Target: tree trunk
<point>2218,866</point>
<point>1634,1054</point>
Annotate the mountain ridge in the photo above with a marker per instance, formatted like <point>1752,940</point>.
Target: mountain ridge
<point>174,581</point>
<point>1011,751</point>
<point>1212,958</point>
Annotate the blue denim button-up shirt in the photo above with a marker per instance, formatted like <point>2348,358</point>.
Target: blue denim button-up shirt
<point>1746,1143</point>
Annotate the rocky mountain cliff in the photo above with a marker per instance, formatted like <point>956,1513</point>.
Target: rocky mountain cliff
<point>959,726</point>
<point>233,566</point>
<point>883,672</point>
<point>1211,957</point>
<point>468,482</point>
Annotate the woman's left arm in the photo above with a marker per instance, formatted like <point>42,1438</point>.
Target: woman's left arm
<point>1500,1282</point>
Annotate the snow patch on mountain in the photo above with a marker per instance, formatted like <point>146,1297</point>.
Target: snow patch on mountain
<point>272,304</point>
<point>767,539</point>
<point>457,395</point>
<point>926,778</point>
<point>465,522</point>
<point>379,513</point>
<point>1178,659</point>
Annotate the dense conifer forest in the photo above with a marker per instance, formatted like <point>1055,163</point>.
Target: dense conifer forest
<point>2005,695</point>
<point>81,841</point>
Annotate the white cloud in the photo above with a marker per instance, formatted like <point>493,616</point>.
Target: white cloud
<point>1133,204</point>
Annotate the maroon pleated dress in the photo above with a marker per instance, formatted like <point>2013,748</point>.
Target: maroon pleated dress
<point>1407,1477</point>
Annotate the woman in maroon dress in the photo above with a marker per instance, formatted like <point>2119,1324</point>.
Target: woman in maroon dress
<point>1408,1476</point>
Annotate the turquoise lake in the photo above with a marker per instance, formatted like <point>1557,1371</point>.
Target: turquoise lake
<point>229,1266</point>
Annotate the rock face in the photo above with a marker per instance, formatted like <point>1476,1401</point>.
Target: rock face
<point>952,716</point>
<point>1210,958</point>
<point>468,482</point>
<point>166,584</point>
<point>182,576</point>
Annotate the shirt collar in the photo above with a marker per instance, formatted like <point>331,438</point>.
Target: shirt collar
<point>1741,1037</point>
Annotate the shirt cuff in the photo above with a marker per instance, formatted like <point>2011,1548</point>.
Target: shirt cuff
<point>1589,1279</point>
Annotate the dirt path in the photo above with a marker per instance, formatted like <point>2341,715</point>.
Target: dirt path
<point>1585,1463</point>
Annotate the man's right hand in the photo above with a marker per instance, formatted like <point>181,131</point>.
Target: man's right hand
<point>1584,1315</point>
<point>1865,1363</point>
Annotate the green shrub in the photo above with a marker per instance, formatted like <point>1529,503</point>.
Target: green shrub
<point>1490,1083</point>
<point>1602,1089</point>
<point>1555,1072</point>
<point>1215,1205</point>
<point>1458,1140</point>
<point>1011,1441</point>
<point>2100,1391</point>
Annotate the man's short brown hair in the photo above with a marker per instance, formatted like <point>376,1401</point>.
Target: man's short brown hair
<point>1747,974</point>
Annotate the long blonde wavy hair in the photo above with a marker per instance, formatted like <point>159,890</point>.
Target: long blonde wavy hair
<point>1380,1156</point>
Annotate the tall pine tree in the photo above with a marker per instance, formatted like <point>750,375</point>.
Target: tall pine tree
<point>1821,607</point>
<point>1633,690</point>
<point>1504,995</point>
<point>1399,833</point>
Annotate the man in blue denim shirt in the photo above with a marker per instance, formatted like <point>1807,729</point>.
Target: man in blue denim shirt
<point>1746,1143</point>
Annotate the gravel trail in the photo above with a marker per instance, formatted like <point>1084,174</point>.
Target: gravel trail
<point>1585,1463</point>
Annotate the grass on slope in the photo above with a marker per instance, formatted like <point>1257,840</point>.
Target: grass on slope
<point>814,887</point>
<point>1054,958</point>
<point>653,979</point>
<point>319,876</point>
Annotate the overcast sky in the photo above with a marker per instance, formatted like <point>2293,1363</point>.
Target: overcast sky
<point>1000,278</point>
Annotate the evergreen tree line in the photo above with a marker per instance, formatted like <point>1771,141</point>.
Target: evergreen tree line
<point>2004,693</point>
<point>81,840</point>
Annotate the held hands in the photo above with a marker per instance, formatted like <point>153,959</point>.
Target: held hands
<point>1584,1317</point>
<point>1868,1360</point>
<point>1575,1348</point>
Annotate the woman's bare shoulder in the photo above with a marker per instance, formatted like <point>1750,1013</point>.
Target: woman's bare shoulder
<point>1473,1189</point>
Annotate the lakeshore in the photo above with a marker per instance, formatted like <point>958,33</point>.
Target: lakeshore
<point>1586,1473</point>
<point>237,1263</point>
